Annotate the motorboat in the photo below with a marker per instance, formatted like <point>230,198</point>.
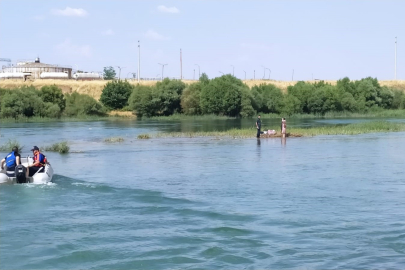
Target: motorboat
<point>43,176</point>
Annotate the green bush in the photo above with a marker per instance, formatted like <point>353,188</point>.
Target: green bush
<point>53,94</point>
<point>323,99</point>
<point>246,109</point>
<point>291,105</point>
<point>167,97</point>
<point>398,101</point>
<point>24,101</point>
<point>140,101</point>
<point>160,100</point>
<point>61,147</point>
<point>302,91</point>
<point>80,104</point>
<point>115,94</point>
<point>267,98</point>
<point>190,99</point>
<point>222,96</point>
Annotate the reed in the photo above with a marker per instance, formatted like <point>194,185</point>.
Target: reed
<point>143,136</point>
<point>7,146</point>
<point>114,140</point>
<point>350,129</point>
<point>60,147</point>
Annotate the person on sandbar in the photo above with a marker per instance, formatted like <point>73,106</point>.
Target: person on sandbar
<point>283,127</point>
<point>258,126</point>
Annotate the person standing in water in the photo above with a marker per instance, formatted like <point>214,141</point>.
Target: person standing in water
<point>283,127</point>
<point>258,126</point>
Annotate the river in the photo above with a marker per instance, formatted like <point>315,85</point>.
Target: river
<point>325,202</point>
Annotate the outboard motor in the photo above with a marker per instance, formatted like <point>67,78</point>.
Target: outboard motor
<point>20,174</point>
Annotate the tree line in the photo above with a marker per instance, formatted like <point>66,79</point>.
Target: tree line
<point>49,101</point>
<point>229,96</point>
<point>225,95</point>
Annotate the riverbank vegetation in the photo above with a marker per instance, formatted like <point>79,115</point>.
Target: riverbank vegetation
<point>222,97</point>
<point>47,102</point>
<point>229,97</point>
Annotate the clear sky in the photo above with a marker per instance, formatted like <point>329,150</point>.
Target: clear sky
<point>324,39</point>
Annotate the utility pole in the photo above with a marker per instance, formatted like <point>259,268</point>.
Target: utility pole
<point>199,74</point>
<point>264,70</point>
<point>395,58</point>
<point>139,61</point>
<point>119,76</point>
<point>269,73</point>
<point>163,68</point>
<point>181,67</point>
<point>245,75</point>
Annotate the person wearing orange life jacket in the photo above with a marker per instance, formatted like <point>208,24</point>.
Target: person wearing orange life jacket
<point>39,161</point>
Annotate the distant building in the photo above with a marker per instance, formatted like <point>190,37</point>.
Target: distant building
<point>35,70</point>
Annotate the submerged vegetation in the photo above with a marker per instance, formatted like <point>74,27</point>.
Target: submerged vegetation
<point>61,147</point>
<point>114,140</point>
<point>143,136</point>
<point>6,147</point>
<point>349,129</point>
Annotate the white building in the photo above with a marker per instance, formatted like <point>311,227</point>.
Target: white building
<point>35,70</point>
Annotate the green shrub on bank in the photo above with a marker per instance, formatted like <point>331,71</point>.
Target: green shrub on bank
<point>163,99</point>
<point>80,104</point>
<point>24,101</point>
<point>115,94</point>
<point>223,96</point>
<point>267,98</point>
<point>190,100</point>
<point>54,95</point>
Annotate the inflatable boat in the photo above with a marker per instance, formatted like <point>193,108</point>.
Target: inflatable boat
<point>43,176</point>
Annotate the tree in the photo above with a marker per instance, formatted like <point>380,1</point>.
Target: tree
<point>223,96</point>
<point>140,101</point>
<point>53,94</point>
<point>190,99</point>
<point>81,104</point>
<point>167,96</point>
<point>109,73</point>
<point>115,94</point>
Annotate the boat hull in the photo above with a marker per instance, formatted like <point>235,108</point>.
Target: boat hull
<point>42,177</point>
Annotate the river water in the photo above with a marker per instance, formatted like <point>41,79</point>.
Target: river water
<point>332,202</point>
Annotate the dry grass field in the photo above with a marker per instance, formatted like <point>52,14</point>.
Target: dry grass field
<point>94,88</point>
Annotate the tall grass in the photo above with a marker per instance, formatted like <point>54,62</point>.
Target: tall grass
<point>60,147</point>
<point>350,129</point>
<point>114,140</point>
<point>7,146</point>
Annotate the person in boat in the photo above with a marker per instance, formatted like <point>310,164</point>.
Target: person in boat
<point>39,162</point>
<point>11,160</point>
<point>258,126</point>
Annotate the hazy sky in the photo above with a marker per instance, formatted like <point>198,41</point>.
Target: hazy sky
<point>323,39</point>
